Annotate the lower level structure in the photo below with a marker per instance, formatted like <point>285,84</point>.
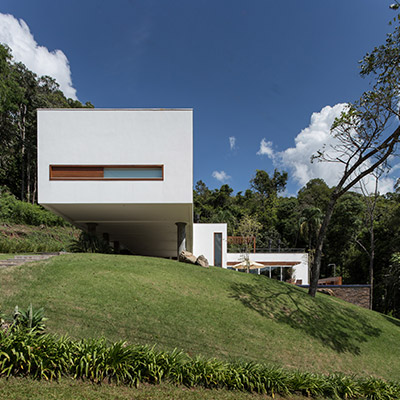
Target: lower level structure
<point>211,240</point>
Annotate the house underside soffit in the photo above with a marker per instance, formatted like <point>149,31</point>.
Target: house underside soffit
<point>146,229</point>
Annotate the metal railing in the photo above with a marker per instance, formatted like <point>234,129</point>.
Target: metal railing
<point>279,250</point>
<point>240,249</point>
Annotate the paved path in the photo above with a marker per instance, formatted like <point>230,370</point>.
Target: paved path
<point>19,260</point>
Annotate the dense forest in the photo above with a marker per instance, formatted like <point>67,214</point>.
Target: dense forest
<point>363,235</point>
<point>364,228</point>
<point>22,92</point>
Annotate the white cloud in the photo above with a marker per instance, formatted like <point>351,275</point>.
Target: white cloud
<point>221,176</point>
<point>16,35</point>
<point>308,142</point>
<point>386,184</point>
<point>266,149</point>
<point>394,167</point>
<point>232,142</point>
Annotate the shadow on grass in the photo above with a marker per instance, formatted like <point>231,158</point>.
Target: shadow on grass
<point>339,328</point>
<point>394,321</point>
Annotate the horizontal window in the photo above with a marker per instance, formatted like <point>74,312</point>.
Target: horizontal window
<point>107,172</point>
<point>133,173</point>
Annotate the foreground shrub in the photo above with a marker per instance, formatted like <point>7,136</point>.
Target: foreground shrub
<point>89,243</point>
<point>30,318</point>
<point>21,212</point>
<point>24,353</point>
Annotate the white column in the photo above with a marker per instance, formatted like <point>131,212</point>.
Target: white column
<point>181,237</point>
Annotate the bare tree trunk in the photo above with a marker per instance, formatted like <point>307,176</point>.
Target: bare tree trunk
<point>371,265</point>
<point>371,273</point>
<point>371,256</point>
<point>34,194</point>
<point>28,176</point>
<point>370,202</point>
<point>371,211</point>
<point>22,130</point>
<point>316,263</point>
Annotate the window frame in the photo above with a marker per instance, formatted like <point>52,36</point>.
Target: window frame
<point>101,178</point>
<point>215,253</point>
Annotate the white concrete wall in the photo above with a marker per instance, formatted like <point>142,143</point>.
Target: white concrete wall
<point>116,137</point>
<point>203,241</point>
<point>300,270</point>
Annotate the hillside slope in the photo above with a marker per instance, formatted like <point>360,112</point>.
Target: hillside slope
<point>26,227</point>
<point>16,238</point>
<point>213,312</point>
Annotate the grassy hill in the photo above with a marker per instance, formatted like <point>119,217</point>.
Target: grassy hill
<point>213,312</point>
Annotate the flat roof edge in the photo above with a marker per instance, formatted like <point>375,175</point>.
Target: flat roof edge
<point>337,286</point>
<point>115,109</point>
<point>115,204</point>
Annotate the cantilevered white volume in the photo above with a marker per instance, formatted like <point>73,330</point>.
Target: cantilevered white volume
<point>128,173</point>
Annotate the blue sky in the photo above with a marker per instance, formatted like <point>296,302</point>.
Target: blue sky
<point>251,70</point>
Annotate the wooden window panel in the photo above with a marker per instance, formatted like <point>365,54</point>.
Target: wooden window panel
<point>75,172</point>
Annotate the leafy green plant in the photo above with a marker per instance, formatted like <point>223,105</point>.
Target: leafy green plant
<point>2,319</point>
<point>89,243</point>
<point>377,389</point>
<point>31,319</point>
<point>23,353</point>
<point>20,212</point>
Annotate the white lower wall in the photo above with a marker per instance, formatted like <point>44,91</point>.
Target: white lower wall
<point>300,270</point>
<point>203,241</point>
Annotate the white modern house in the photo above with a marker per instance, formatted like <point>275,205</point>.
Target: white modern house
<point>127,174</point>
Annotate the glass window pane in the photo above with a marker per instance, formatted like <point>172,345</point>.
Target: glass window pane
<point>218,249</point>
<point>133,173</point>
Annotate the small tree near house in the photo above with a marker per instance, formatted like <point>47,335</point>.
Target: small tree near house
<point>248,230</point>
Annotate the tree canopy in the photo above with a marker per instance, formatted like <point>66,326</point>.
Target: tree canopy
<point>367,132</point>
<point>22,92</point>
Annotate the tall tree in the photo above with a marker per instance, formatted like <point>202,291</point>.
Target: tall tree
<point>315,193</point>
<point>22,92</point>
<point>339,249</point>
<point>288,215</point>
<point>266,188</point>
<point>370,200</point>
<point>365,139</point>
<point>310,224</point>
<point>269,186</point>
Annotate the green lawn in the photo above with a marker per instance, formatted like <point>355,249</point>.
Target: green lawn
<point>68,389</point>
<point>213,312</point>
